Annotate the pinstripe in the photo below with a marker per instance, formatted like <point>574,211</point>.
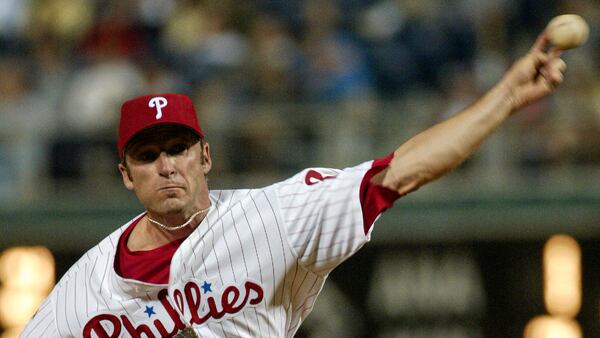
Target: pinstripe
<point>110,282</point>
<point>331,245</point>
<point>92,276</point>
<point>123,291</point>
<point>270,251</point>
<point>44,312</point>
<point>235,227</point>
<point>239,238</point>
<point>225,240</point>
<point>311,229</point>
<point>281,241</point>
<point>228,255</point>
<point>257,258</point>
<point>212,334</point>
<point>75,298</point>
<point>299,287</point>
<point>66,298</point>
<point>309,192</point>
<point>102,283</point>
<point>235,280</point>
<point>204,263</point>
<point>193,249</point>
<point>295,318</point>
<point>229,252</point>
<point>87,311</point>
<point>242,251</point>
<point>314,202</point>
<point>332,231</point>
<point>185,267</point>
<point>111,242</point>
<point>302,219</point>
<point>220,324</point>
<point>214,253</point>
<point>308,300</point>
<point>298,316</point>
<point>47,326</point>
<point>313,192</point>
<point>254,242</point>
<point>293,282</point>
<point>217,262</point>
<point>123,307</point>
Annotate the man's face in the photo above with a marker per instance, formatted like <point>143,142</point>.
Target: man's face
<point>166,168</point>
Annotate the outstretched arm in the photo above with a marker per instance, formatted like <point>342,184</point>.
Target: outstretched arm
<point>441,148</point>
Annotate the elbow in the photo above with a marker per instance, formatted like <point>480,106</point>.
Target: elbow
<point>413,182</point>
<point>407,174</point>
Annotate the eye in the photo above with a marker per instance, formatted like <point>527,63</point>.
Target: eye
<point>147,156</point>
<point>177,149</point>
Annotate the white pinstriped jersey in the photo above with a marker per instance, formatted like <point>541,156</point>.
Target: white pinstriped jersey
<point>252,268</point>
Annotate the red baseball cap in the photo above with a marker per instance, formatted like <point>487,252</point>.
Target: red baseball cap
<point>146,111</point>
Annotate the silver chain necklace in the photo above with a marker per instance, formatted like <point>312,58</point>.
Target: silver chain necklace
<point>177,227</point>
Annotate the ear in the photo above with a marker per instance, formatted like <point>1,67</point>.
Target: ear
<point>206,160</point>
<point>126,175</point>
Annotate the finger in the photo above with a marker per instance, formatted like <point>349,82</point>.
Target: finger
<point>559,64</point>
<point>532,62</point>
<point>539,60</point>
<point>545,85</point>
<point>540,44</point>
<point>554,52</point>
<point>553,72</point>
<point>558,68</point>
<point>555,78</point>
<point>556,65</point>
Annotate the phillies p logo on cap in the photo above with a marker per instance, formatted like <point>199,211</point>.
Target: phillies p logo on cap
<point>158,102</point>
<point>146,111</point>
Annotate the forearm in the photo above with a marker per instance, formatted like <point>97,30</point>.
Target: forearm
<point>441,148</point>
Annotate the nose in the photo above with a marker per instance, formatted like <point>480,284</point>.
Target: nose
<point>165,164</point>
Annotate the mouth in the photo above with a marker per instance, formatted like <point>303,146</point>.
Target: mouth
<point>170,188</point>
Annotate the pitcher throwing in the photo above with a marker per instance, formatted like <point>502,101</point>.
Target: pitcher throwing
<point>250,262</point>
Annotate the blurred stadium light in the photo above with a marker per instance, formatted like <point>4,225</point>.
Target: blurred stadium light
<point>27,275</point>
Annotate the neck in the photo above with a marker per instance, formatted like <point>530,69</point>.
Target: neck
<point>170,227</point>
<point>148,235</point>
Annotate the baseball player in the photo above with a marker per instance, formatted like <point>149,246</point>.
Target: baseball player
<point>249,263</point>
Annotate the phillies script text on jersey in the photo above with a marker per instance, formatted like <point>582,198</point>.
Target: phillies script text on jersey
<point>201,308</point>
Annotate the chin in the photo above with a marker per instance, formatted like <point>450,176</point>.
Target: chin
<point>171,206</point>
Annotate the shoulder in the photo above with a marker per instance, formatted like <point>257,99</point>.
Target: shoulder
<point>101,254</point>
<point>311,177</point>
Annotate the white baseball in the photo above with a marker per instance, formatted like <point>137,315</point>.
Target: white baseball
<point>567,31</point>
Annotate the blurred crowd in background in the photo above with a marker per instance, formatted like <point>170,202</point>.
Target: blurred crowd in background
<point>266,74</point>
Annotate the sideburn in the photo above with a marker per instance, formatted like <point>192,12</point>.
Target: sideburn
<point>129,173</point>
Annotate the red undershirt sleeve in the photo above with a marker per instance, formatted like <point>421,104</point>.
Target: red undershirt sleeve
<point>375,199</point>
